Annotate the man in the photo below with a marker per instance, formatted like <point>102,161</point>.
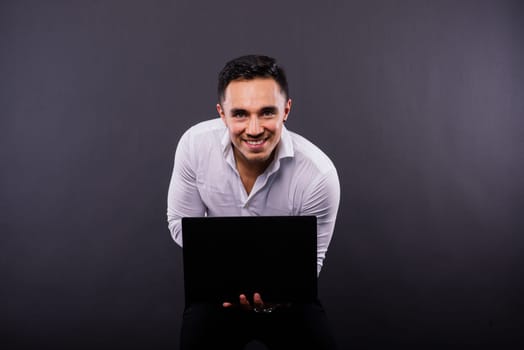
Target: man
<point>247,163</point>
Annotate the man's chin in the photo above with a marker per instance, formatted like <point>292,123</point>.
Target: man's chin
<point>257,158</point>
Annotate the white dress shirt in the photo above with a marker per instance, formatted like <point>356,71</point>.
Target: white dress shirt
<point>301,180</point>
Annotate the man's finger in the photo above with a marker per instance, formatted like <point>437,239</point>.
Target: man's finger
<point>243,300</point>
<point>257,299</point>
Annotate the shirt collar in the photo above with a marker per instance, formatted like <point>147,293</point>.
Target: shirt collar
<point>285,146</point>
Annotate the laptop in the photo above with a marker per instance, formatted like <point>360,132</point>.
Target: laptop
<point>275,256</point>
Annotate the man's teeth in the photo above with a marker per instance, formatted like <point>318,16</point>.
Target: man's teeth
<point>259,142</point>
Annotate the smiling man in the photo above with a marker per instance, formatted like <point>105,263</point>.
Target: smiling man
<point>254,111</point>
<point>246,162</point>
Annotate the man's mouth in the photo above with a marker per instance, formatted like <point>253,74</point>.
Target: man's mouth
<point>255,142</point>
<point>256,145</point>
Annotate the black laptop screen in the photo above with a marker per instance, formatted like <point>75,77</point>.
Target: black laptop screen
<point>273,255</point>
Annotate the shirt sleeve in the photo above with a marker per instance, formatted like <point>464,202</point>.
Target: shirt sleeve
<point>183,198</point>
<point>322,200</point>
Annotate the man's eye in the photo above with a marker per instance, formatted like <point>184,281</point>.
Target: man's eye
<point>268,113</point>
<point>239,114</point>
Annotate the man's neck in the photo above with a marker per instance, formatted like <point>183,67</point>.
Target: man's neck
<point>250,171</point>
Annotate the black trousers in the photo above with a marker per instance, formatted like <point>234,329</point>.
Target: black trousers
<point>211,326</point>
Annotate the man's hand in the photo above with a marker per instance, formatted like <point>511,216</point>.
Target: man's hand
<point>258,304</point>
<point>244,304</point>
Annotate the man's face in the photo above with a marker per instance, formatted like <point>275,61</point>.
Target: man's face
<point>254,111</point>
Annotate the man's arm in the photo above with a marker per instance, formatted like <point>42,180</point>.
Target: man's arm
<point>183,198</point>
<point>322,200</point>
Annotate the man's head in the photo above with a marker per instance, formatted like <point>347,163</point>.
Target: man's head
<point>250,67</point>
<point>254,104</point>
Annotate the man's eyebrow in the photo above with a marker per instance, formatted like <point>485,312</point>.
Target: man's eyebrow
<point>238,110</point>
<point>271,109</point>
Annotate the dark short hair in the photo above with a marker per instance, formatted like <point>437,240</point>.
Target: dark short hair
<point>250,67</point>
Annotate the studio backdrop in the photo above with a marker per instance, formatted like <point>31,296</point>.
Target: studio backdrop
<point>418,103</point>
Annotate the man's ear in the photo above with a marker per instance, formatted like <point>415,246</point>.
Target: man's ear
<point>221,112</point>
<point>287,109</point>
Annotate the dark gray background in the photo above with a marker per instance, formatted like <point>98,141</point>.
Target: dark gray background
<point>419,103</point>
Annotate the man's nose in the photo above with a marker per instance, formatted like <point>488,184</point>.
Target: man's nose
<point>254,127</point>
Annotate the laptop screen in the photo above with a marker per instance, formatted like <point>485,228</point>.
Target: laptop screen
<point>227,256</point>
